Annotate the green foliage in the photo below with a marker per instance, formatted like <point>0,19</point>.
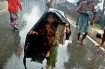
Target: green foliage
<point>97,26</point>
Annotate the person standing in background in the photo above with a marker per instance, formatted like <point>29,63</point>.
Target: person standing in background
<point>50,4</point>
<point>86,9</point>
<point>13,8</point>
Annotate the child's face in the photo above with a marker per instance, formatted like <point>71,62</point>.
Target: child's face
<point>50,18</point>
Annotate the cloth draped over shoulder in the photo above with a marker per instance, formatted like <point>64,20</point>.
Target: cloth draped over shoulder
<point>14,5</point>
<point>84,21</point>
<point>60,34</point>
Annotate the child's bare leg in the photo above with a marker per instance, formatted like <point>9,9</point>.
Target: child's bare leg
<point>52,67</point>
<point>48,53</point>
<point>47,67</point>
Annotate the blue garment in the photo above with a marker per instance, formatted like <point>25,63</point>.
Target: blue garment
<point>84,21</point>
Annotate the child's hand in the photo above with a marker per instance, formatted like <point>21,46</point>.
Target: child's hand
<point>33,32</point>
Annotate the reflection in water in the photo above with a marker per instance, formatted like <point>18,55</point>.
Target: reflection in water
<point>17,46</point>
<point>15,61</point>
<point>18,51</point>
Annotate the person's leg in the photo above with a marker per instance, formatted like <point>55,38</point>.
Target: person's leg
<point>78,36</point>
<point>84,36</point>
<point>14,20</point>
<point>52,67</point>
<point>47,67</point>
<point>103,39</point>
<point>11,19</point>
<point>102,43</point>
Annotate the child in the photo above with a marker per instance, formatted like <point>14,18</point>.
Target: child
<point>49,30</point>
<point>52,32</point>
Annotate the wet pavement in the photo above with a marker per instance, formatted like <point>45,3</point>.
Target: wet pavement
<point>71,55</point>
<point>84,57</point>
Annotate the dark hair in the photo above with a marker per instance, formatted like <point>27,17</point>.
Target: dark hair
<point>50,13</point>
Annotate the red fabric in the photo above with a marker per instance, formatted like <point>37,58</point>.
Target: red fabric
<point>14,5</point>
